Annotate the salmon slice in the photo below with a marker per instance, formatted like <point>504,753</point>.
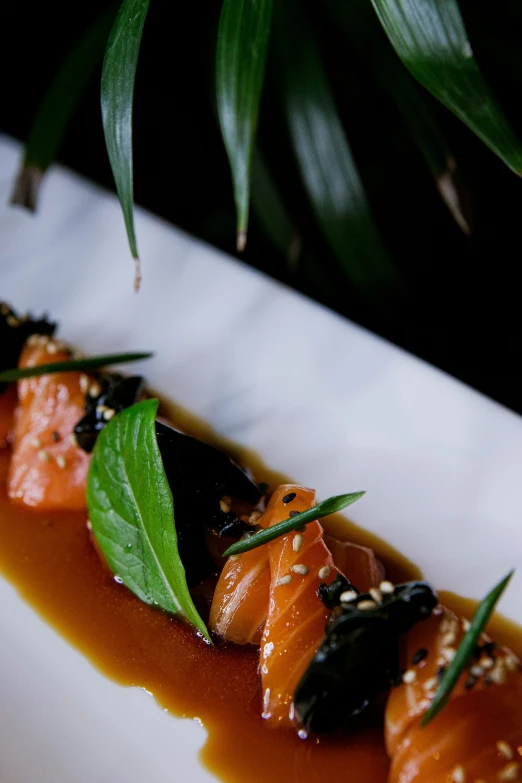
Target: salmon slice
<point>48,470</point>
<point>477,734</point>
<point>357,563</point>
<point>8,402</point>
<point>240,602</point>
<point>296,620</point>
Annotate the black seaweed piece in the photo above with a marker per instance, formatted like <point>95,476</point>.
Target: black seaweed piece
<point>199,475</point>
<point>14,331</point>
<point>359,657</point>
<point>330,594</point>
<point>118,392</point>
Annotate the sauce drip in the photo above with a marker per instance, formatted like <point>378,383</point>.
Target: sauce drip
<point>51,561</point>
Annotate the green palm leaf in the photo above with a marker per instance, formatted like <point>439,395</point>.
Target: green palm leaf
<point>117,92</point>
<point>430,38</point>
<point>243,35</point>
<point>326,164</point>
<point>56,109</point>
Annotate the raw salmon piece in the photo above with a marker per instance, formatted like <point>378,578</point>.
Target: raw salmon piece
<point>48,471</point>
<point>240,603</point>
<point>357,563</point>
<point>476,736</point>
<point>8,402</point>
<point>296,620</point>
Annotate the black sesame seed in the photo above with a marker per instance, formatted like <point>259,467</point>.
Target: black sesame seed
<point>293,513</point>
<point>470,683</point>
<point>288,498</point>
<point>398,680</point>
<point>477,652</point>
<point>419,656</point>
<point>441,671</point>
<point>488,681</point>
<point>55,436</point>
<point>488,648</point>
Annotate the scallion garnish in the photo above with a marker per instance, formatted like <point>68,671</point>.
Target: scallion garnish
<point>324,509</point>
<point>465,650</point>
<point>89,363</point>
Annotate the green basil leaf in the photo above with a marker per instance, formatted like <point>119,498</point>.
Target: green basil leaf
<point>243,34</point>
<point>271,212</point>
<point>89,363</point>
<point>324,509</point>
<point>465,650</point>
<point>117,93</point>
<point>56,109</point>
<point>430,38</point>
<point>325,160</point>
<point>132,513</point>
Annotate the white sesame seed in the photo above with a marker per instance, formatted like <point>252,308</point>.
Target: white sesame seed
<point>448,653</point>
<point>297,542</point>
<point>511,663</point>
<point>476,671</point>
<point>95,389</point>
<point>72,439</point>
<point>225,508</point>
<point>347,596</point>
<point>227,499</point>
<point>466,625</point>
<point>375,594</point>
<point>89,525</point>
<point>254,516</point>
<point>431,684</point>
<point>12,321</point>
<point>285,580</point>
<point>409,676</point>
<point>487,663</point>
<point>36,442</point>
<point>366,605</point>
<point>505,750</point>
<point>32,340</point>
<point>449,639</point>
<point>52,348</point>
<point>234,557</point>
<point>108,414</point>
<point>510,772</point>
<point>498,673</point>
<point>60,461</point>
<point>299,568</point>
<point>43,455</point>
<point>324,572</point>
<point>84,383</point>
<point>458,775</point>
<point>302,734</point>
<point>387,587</point>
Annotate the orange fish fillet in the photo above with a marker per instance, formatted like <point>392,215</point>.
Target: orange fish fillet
<point>296,619</point>
<point>48,471</point>
<point>477,736</point>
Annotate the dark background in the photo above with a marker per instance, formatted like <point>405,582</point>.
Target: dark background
<point>462,312</point>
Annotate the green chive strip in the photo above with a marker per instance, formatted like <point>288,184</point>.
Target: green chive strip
<point>90,363</point>
<point>324,509</point>
<point>465,650</point>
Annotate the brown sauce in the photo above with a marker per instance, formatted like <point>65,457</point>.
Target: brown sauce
<point>51,561</point>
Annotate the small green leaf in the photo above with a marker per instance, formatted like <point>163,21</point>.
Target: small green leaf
<point>324,509</point>
<point>465,650</point>
<point>243,34</point>
<point>430,38</point>
<point>271,212</point>
<point>327,167</point>
<point>117,93</point>
<point>89,363</point>
<point>132,513</point>
<point>57,107</point>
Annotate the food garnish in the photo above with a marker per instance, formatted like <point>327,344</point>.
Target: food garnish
<point>89,363</point>
<point>296,520</point>
<point>132,513</point>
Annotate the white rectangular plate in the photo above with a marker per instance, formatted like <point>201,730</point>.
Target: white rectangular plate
<point>318,398</point>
